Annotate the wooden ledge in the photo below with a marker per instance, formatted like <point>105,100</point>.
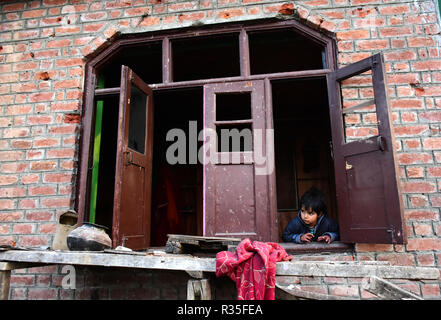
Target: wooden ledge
<point>316,247</point>
<point>22,258</point>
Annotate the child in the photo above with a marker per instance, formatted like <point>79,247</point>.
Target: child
<point>311,223</point>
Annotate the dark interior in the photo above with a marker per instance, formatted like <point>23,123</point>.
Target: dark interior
<point>176,189</point>
<point>282,51</point>
<point>145,60</point>
<point>302,137</point>
<point>206,57</point>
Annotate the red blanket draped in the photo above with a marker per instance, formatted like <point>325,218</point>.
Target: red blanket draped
<point>253,268</point>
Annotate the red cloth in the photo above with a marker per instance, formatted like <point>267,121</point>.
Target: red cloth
<point>253,268</point>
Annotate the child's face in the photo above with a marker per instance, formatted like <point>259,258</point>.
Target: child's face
<point>309,216</point>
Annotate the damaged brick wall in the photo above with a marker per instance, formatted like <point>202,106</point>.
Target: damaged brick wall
<point>45,44</point>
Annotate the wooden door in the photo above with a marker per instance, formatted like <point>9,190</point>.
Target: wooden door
<point>367,184</point>
<point>235,186</point>
<point>132,200</point>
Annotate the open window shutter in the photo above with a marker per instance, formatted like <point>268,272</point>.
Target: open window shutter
<point>235,180</point>
<point>370,206</point>
<point>132,199</point>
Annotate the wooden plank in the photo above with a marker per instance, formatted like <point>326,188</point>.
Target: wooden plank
<point>178,244</point>
<point>191,263</point>
<point>387,290</point>
<point>88,258</point>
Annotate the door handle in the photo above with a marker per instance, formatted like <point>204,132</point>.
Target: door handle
<point>381,143</point>
<point>129,158</point>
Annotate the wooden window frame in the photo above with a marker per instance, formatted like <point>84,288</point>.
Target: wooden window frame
<point>93,67</point>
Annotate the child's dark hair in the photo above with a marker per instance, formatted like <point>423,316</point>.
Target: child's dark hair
<point>314,199</point>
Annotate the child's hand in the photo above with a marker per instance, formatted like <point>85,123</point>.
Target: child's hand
<point>325,238</point>
<point>306,237</point>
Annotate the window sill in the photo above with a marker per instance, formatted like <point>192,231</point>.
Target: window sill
<point>317,247</point>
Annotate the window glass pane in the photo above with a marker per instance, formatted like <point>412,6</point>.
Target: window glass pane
<point>283,51</point>
<point>233,106</point>
<point>138,101</point>
<point>359,109</point>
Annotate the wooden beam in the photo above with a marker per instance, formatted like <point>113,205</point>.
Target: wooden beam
<point>357,270</point>
<point>6,266</point>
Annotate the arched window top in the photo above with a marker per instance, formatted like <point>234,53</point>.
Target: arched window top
<point>218,51</point>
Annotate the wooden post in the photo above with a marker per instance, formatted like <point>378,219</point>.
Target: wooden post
<point>5,277</point>
<point>198,289</point>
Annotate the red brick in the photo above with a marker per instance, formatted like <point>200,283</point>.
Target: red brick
<point>11,155</point>
<point>50,228</point>
<point>418,201</point>
<point>59,43</point>
<point>374,44</point>
<point>353,34</point>
<point>7,180</point>
<point>421,214</point>
<point>394,10</point>
<point>42,294</point>
<point>22,280</point>
<point>43,165</point>
<point>426,65</point>
<point>423,244</point>
<point>67,129</point>
<point>423,229</point>
<point>344,290</point>
<point>432,143</point>
<point>415,172</point>
<point>39,216</point>
<point>23,228</point>
<point>366,247</point>
<point>27,204</point>
<point>434,172</point>
<point>395,31</point>
<point>61,153</point>
<point>418,187</point>
<point>400,259</point>
<point>410,130</point>
<point>57,177</point>
<point>33,13</point>
<point>49,142</point>
<point>43,190</point>
<point>13,7</point>
<point>430,290</point>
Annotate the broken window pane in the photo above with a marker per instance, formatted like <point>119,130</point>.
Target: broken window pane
<point>359,109</point>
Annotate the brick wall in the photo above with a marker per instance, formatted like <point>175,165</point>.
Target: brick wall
<point>44,46</point>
